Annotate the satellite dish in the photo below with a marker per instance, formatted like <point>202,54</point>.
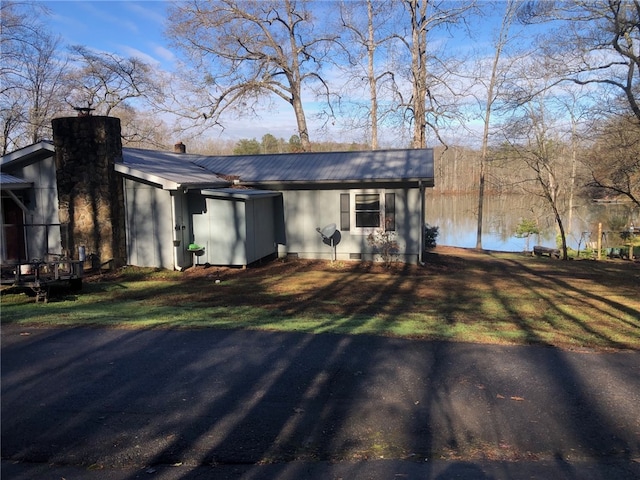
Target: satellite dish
<point>328,231</point>
<point>328,234</point>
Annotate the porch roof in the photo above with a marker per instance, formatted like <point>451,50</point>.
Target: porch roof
<point>10,182</point>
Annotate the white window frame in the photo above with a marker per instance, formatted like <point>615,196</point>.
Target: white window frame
<point>352,211</point>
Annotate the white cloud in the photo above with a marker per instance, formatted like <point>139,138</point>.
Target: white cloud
<point>134,52</point>
<point>164,53</point>
<point>146,13</point>
<point>106,16</point>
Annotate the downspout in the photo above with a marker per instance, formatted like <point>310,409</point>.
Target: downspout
<point>176,229</point>
<point>422,217</point>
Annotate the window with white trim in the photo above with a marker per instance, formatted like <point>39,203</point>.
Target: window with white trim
<point>368,210</point>
<point>364,211</point>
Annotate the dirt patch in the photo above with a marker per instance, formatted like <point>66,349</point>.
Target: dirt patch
<point>439,260</point>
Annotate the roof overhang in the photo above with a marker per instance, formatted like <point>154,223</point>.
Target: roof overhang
<point>332,184</point>
<point>28,155</point>
<point>145,177</point>
<point>161,182</point>
<point>238,193</point>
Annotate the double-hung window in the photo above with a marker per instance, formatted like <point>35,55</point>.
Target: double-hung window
<point>367,210</point>
<point>364,211</point>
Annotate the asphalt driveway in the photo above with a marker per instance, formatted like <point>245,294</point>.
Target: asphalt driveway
<point>132,402</point>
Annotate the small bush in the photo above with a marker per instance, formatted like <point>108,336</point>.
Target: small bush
<point>384,244</point>
<point>430,236</point>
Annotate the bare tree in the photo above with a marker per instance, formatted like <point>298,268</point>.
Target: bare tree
<point>597,43</point>
<point>535,140</point>
<point>598,46</point>
<point>248,50</point>
<point>32,77</point>
<point>105,81</point>
<point>428,73</point>
<point>368,38</point>
<point>492,87</point>
<point>618,141</point>
<point>576,103</point>
<point>143,128</point>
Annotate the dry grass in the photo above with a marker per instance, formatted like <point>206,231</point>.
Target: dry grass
<point>459,295</point>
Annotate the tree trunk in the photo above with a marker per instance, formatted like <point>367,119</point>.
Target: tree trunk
<point>502,40</point>
<point>301,121</point>
<point>373,84</point>
<point>295,80</point>
<point>418,71</point>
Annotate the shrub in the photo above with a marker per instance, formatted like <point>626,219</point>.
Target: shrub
<point>525,229</point>
<point>430,236</point>
<point>384,244</point>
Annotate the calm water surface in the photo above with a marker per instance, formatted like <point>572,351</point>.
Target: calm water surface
<point>456,217</point>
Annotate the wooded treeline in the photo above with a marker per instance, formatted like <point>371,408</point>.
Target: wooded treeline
<point>546,100</point>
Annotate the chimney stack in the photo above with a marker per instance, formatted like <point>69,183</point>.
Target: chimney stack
<point>90,193</point>
<point>180,148</point>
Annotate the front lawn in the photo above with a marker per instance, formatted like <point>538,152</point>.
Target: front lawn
<point>459,295</point>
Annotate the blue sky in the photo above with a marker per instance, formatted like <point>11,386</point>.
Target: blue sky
<point>126,28</point>
<point>136,29</point>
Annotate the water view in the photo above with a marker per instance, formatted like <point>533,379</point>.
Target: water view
<point>456,217</point>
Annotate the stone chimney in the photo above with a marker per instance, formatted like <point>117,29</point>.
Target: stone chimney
<point>180,148</point>
<point>90,194</point>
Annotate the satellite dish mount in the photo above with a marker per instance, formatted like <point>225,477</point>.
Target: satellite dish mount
<point>329,234</point>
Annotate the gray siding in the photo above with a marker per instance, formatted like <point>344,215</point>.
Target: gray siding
<point>306,210</point>
<point>261,233</point>
<point>42,201</point>
<point>149,226</point>
<point>181,227</point>
<point>233,231</point>
<point>220,228</point>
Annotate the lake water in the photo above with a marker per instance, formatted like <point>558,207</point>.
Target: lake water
<point>456,217</point>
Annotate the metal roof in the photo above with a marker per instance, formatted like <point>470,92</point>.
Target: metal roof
<point>325,167</point>
<point>170,170</point>
<point>9,182</point>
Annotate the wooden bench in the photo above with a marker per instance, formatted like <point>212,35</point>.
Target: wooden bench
<point>551,252</point>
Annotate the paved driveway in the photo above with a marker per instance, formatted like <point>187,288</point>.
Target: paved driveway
<point>139,399</point>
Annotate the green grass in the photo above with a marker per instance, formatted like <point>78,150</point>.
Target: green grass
<point>475,297</point>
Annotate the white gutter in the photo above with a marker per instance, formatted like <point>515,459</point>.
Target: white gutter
<point>140,175</point>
